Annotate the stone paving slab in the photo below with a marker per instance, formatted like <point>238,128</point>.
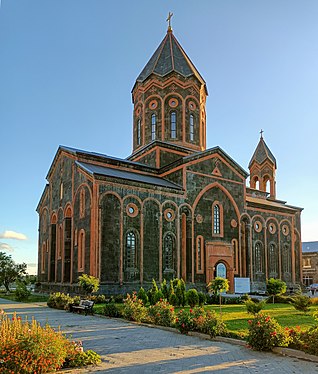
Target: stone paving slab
<point>130,348</point>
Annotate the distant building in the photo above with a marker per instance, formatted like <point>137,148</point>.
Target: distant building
<point>32,269</point>
<point>310,262</point>
<point>172,208</point>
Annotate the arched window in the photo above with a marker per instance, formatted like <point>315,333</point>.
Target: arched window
<point>286,258</point>
<point>272,259</point>
<point>216,220</point>
<point>235,255</point>
<point>200,251</point>
<point>60,242</point>
<point>173,125</point>
<point>168,253</point>
<point>138,131</point>
<point>153,126</point>
<point>130,257</point>
<point>82,203</point>
<point>191,127</point>
<point>258,258</point>
<point>221,270</point>
<point>43,257</point>
<point>81,250</point>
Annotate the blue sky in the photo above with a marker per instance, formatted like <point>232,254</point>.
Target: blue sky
<point>67,69</point>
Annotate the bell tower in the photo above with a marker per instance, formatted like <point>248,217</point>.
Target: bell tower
<point>169,99</point>
<point>263,169</point>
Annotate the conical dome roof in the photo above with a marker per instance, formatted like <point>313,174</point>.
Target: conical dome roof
<point>262,153</point>
<point>169,57</point>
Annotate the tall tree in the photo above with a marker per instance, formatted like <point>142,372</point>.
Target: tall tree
<point>10,271</point>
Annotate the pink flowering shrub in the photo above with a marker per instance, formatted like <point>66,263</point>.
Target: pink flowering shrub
<point>264,333</point>
<point>162,313</point>
<point>133,309</point>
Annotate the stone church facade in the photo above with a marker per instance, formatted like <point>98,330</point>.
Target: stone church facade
<point>172,208</point>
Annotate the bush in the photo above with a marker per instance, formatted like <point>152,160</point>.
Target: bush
<point>134,309</point>
<point>202,298</point>
<point>253,307</point>
<point>279,299</point>
<point>157,297</point>
<point>119,299</point>
<point>301,303</point>
<point>76,356</point>
<point>180,291</point>
<point>59,300</point>
<point>142,295</point>
<point>264,333</point>
<point>152,292</point>
<point>98,299</point>
<point>192,297</point>
<point>184,321</point>
<point>275,287</point>
<point>164,289</point>
<point>21,292</point>
<point>173,300</point>
<point>26,347</point>
<point>162,313</point>
<point>112,310</point>
<point>88,283</point>
<point>213,324</point>
<point>314,300</point>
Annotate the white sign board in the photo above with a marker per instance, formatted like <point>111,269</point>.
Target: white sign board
<point>242,285</point>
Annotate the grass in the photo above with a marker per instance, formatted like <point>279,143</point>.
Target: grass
<point>34,298</point>
<point>236,317</point>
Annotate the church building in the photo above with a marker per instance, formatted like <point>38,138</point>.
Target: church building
<point>172,208</point>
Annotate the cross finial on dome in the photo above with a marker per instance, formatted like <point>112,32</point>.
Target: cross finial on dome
<point>169,21</point>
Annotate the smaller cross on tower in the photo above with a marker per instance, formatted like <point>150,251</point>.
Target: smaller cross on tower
<point>261,132</point>
<point>169,21</point>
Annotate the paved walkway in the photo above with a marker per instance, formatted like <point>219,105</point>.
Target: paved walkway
<point>129,348</point>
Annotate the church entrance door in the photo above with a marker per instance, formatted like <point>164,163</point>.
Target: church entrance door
<point>219,262</point>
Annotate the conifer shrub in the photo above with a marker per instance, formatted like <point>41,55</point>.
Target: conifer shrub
<point>152,292</point>
<point>21,292</point>
<point>301,303</point>
<point>265,333</point>
<point>157,297</point>
<point>202,298</point>
<point>142,295</point>
<point>173,300</point>
<point>192,297</point>
<point>164,289</point>
<point>253,307</point>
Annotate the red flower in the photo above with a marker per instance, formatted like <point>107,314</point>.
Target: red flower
<point>190,310</point>
<point>183,325</point>
<point>249,321</point>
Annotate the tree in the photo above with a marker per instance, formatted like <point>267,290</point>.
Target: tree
<point>10,271</point>
<point>88,283</point>
<point>275,287</point>
<point>218,285</point>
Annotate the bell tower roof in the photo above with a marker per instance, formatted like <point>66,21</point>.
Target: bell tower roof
<point>262,153</point>
<point>170,57</point>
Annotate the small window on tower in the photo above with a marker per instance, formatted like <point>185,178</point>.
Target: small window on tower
<point>173,125</point>
<point>191,128</point>
<point>153,126</point>
<point>138,132</point>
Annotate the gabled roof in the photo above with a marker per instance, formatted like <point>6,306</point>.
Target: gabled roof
<point>308,247</point>
<point>169,57</point>
<point>126,175</point>
<point>262,153</point>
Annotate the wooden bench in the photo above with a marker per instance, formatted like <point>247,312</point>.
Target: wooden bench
<point>85,306</point>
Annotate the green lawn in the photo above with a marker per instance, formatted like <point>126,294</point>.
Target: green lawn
<point>236,318</point>
<point>32,299</point>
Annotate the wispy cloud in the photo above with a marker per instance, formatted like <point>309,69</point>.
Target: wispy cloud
<point>12,235</point>
<point>6,247</point>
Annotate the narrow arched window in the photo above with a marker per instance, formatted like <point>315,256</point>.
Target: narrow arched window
<point>82,203</point>
<point>200,249</point>
<point>168,253</point>
<point>258,258</point>
<point>173,125</point>
<point>81,250</point>
<point>216,219</point>
<point>191,127</point>
<point>130,253</point>
<point>286,258</point>
<point>138,131</point>
<point>43,257</point>
<point>153,126</point>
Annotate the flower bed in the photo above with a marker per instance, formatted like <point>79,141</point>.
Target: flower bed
<point>27,347</point>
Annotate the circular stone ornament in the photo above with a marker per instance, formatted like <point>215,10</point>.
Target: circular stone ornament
<point>199,218</point>
<point>285,230</point>
<point>132,210</point>
<point>233,223</point>
<point>258,226</point>
<point>272,228</point>
<point>173,103</point>
<point>169,215</point>
<point>153,104</point>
